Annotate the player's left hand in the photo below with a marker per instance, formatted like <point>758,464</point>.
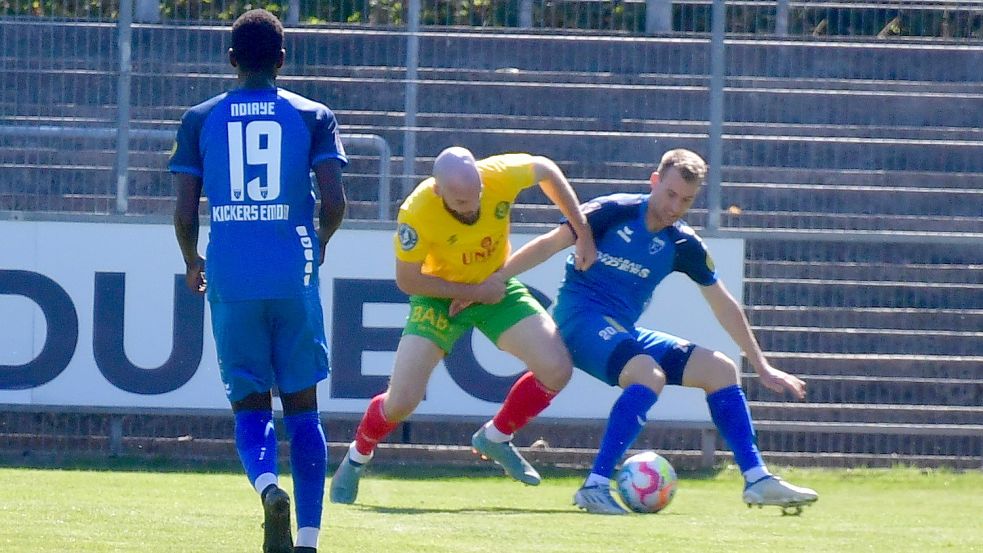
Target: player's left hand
<point>780,382</point>
<point>584,253</point>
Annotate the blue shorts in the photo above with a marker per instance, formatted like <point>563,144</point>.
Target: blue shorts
<point>265,342</point>
<point>600,346</point>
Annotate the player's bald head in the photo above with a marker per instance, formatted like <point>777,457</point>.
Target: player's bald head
<point>457,182</point>
<point>456,172</point>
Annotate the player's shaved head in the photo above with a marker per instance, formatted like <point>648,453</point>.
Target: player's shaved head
<point>458,183</point>
<point>455,168</point>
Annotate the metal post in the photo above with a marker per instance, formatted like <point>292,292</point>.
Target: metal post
<point>115,435</point>
<point>658,16</point>
<point>125,27</point>
<point>385,155</point>
<point>525,14</point>
<point>293,13</point>
<point>708,447</point>
<point>716,115</point>
<point>781,18</point>
<point>412,61</point>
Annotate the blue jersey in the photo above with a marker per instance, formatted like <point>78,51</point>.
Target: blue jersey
<point>631,261</point>
<point>253,150</point>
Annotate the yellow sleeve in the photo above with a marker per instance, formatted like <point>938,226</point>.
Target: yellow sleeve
<point>508,174</point>
<point>408,242</point>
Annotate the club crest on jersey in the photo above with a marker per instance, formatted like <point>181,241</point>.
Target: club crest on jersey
<point>501,210</point>
<point>656,245</point>
<point>625,233</point>
<point>407,237</point>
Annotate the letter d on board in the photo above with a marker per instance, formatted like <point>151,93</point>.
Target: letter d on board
<point>62,335</point>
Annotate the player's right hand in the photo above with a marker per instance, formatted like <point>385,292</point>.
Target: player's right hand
<point>458,305</point>
<point>491,290</point>
<point>194,276</point>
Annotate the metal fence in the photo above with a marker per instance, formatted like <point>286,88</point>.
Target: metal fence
<point>844,136</point>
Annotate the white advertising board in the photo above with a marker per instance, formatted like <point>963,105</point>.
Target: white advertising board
<point>95,315</point>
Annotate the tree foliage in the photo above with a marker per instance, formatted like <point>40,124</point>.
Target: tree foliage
<point>882,20</point>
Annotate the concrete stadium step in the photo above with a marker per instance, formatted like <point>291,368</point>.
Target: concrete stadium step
<point>875,200</point>
<point>370,121</point>
<point>934,366</point>
<point>604,78</point>
<point>555,51</point>
<point>880,390</point>
<point>769,151</point>
<point>537,51</point>
<point>852,440</point>
<point>870,252</point>
<point>801,220</point>
<point>911,272</point>
<point>870,340</point>
<point>858,293</point>
<point>872,318</point>
<point>820,176</point>
<point>610,103</point>
<point>862,413</point>
<point>531,208</point>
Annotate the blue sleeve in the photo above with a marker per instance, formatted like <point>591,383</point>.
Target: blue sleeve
<point>326,139</point>
<point>693,258</point>
<point>186,156</point>
<point>607,211</point>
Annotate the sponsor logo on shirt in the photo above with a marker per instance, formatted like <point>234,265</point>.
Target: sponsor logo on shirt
<point>623,264</point>
<point>488,249</point>
<point>625,233</point>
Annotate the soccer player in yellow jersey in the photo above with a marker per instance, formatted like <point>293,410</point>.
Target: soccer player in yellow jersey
<point>451,240</point>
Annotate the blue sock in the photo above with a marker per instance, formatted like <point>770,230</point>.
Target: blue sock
<point>624,425</point>
<point>731,415</point>
<point>256,443</point>
<point>308,462</point>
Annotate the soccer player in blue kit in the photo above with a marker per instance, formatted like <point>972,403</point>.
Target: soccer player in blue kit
<point>251,151</point>
<point>640,240</point>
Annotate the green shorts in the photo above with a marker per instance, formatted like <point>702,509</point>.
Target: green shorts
<point>429,316</point>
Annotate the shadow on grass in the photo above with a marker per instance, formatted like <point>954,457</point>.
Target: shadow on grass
<point>492,510</point>
<point>410,471</point>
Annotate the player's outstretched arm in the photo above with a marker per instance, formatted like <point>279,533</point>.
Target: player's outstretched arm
<point>730,314</point>
<point>186,228</point>
<point>538,250</point>
<point>333,200</point>
<point>412,281</point>
<point>558,190</point>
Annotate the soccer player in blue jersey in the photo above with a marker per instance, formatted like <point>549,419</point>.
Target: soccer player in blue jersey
<point>251,150</point>
<point>640,240</point>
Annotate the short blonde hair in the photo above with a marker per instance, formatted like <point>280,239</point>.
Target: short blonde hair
<point>689,164</point>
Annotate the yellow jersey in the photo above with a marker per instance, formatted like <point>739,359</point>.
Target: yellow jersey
<point>449,249</point>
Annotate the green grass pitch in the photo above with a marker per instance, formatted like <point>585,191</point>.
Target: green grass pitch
<point>412,511</point>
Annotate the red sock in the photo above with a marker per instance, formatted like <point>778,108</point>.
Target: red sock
<point>373,428</point>
<point>527,398</point>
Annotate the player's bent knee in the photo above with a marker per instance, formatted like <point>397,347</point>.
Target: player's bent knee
<point>554,375</point>
<point>726,368</point>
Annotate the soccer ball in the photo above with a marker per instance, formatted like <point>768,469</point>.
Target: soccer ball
<point>647,482</point>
